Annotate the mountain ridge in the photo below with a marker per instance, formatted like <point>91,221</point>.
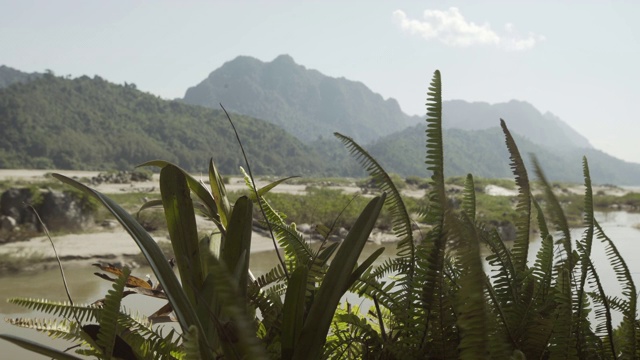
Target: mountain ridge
<point>27,141</point>
<point>9,76</point>
<point>303,101</point>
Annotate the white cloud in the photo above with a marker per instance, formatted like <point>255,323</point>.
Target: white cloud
<point>452,29</point>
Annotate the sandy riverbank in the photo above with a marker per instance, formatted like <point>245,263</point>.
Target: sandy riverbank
<point>113,246</point>
<point>117,246</point>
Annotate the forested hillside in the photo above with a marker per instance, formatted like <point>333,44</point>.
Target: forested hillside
<point>89,123</point>
<point>484,153</point>
<point>10,76</point>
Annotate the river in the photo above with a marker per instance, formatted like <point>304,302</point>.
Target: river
<point>86,288</point>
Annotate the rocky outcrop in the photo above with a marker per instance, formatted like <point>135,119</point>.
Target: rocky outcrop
<point>58,210</point>
<point>14,205</point>
<point>65,211</point>
<point>121,177</point>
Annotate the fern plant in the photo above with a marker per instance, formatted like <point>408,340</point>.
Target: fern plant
<point>434,300</point>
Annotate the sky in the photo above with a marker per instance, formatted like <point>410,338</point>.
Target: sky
<point>578,60</point>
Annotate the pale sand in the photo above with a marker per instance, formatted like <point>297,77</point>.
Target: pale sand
<point>108,245</point>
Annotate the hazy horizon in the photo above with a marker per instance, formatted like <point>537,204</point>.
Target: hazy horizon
<point>578,62</point>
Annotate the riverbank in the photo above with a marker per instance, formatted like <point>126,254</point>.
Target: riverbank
<point>78,249</point>
<point>112,244</point>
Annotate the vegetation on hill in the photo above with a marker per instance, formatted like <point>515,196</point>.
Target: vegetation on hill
<point>84,123</point>
<point>10,76</point>
<point>480,152</point>
<point>89,123</point>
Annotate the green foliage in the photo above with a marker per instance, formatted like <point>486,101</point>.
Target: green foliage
<point>433,300</point>
<point>91,124</point>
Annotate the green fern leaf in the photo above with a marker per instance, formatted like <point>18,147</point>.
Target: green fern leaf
<point>108,319</point>
<point>523,208</point>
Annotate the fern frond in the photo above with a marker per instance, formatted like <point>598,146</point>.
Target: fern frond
<point>108,319</point>
<point>54,328</point>
<point>602,311</point>
<point>584,250</point>
<point>562,344</point>
<point>237,336</point>
<point>435,152</point>
<point>629,331</point>
<point>191,344</point>
<point>352,337</point>
<point>557,214</point>
<point>430,253</point>
<point>401,222</point>
<point>470,302</point>
<point>469,198</point>
<point>523,208</point>
<point>146,341</point>
<point>83,312</point>
<point>543,269</point>
<point>274,275</point>
<point>297,251</point>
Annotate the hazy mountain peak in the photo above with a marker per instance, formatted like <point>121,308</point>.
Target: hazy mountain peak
<point>521,118</point>
<point>284,58</point>
<point>305,102</point>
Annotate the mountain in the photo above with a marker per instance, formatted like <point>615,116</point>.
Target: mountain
<point>523,119</point>
<point>10,76</point>
<point>310,105</point>
<point>483,153</point>
<point>89,123</point>
<point>304,102</point>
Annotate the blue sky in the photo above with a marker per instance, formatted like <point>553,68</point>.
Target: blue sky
<point>578,60</point>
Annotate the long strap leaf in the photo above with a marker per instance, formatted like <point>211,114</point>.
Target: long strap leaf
<point>336,281</point>
<point>38,348</point>
<point>152,252</point>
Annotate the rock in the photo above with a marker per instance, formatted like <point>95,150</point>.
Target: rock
<point>109,224</point>
<point>60,211</point>
<point>342,232</point>
<point>15,203</point>
<point>8,223</point>
<point>304,228</point>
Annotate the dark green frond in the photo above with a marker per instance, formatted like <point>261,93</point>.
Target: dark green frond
<point>297,250</point>
<point>469,198</point>
<point>470,301</point>
<point>435,153</point>
<point>557,214</point>
<point>604,327</point>
<point>82,312</point>
<point>401,222</point>
<point>562,344</point>
<point>628,328</point>
<point>523,209</point>
<point>584,250</point>
<point>109,314</point>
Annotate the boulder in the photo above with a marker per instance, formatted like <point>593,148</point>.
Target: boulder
<point>8,223</point>
<point>65,211</point>
<point>15,203</point>
<point>58,210</point>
